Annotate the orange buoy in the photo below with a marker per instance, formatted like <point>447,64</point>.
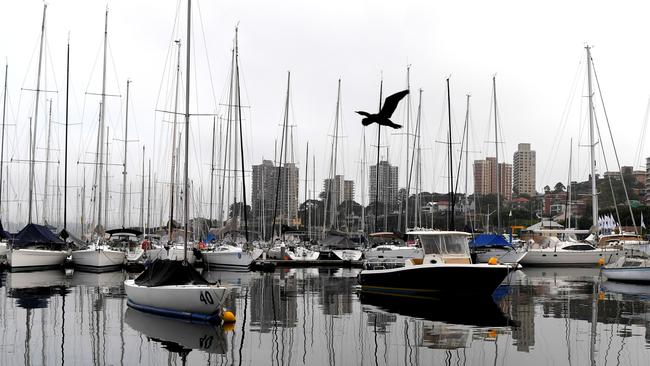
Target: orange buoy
<point>228,317</point>
<point>492,261</point>
<point>601,262</point>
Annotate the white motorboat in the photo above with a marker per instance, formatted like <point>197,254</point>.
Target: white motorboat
<point>227,255</point>
<point>628,269</point>
<point>570,253</point>
<point>510,256</point>
<point>446,271</point>
<point>98,257</point>
<point>393,252</point>
<point>299,253</point>
<point>173,288</point>
<point>348,254</point>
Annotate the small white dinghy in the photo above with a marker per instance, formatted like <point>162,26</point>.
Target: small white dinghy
<point>628,269</point>
<point>175,289</point>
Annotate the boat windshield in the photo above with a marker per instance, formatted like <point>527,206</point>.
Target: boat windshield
<point>444,244</point>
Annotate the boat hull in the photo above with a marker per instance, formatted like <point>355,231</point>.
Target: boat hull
<point>98,260</point>
<point>565,258</point>
<point>32,259</point>
<point>502,255</point>
<point>176,253</point>
<point>348,254</point>
<point>435,280</point>
<point>628,274</point>
<point>234,259</point>
<point>192,302</point>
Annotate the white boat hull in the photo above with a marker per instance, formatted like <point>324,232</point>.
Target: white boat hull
<point>631,274</point>
<point>184,301</point>
<point>582,258</point>
<point>502,255</point>
<point>3,250</point>
<point>348,254</point>
<point>35,258</point>
<point>157,253</point>
<point>98,258</point>
<point>240,259</point>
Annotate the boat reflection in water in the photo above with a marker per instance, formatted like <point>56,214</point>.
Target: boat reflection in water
<point>480,312</point>
<point>177,335</point>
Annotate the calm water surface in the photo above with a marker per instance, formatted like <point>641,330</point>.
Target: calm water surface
<point>316,317</point>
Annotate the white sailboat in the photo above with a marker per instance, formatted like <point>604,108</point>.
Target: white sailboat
<point>35,246</point>
<point>174,288</point>
<point>99,256</point>
<point>556,252</point>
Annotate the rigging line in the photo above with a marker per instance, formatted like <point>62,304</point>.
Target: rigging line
<point>564,117</point>
<point>640,144</point>
<point>207,59</point>
<point>611,136</point>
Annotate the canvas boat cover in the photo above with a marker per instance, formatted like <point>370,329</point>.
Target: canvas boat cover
<point>489,240</point>
<point>37,235</point>
<point>170,273</point>
<point>4,234</point>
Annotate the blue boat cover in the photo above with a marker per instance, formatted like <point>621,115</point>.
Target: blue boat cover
<point>34,234</point>
<point>489,240</point>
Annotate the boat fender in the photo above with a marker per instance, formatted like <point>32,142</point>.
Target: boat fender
<point>228,316</point>
<point>601,261</point>
<point>492,261</point>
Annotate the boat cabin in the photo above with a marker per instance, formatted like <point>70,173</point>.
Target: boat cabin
<point>448,247</point>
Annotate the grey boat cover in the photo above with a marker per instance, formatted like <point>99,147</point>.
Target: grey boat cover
<point>170,273</point>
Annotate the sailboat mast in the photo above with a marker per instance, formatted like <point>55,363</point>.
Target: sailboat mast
<point>187,128</point>
<point>306,179</point>
<point>241,135</point>
<point>592,147</point>
<point>149,197</point>
<point>65,163</point>
<point>282,148</point>
<point>408,136</point>
<point>126,136</point>
<point>35,118</point>
<point>172,185</point>
<point>466,158</point>
<point>496,149</point>
<point>418,167</point>
<point>102,108</point>
<point>2,141</point>
<point>452,199</point>
<point>214,125</point>
<point>381,89</point>
<point>334,212</point>
<point>47,163</point>
<point>142,194</point>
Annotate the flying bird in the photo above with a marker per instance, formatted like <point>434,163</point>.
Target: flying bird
<point>383,117</point>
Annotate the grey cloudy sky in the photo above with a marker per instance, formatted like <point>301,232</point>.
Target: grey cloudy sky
<point>536,49</point>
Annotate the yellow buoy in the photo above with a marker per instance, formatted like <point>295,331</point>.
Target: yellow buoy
<point>601,296</point>
<point>601,261</point>
<point>228,317</point>
<point>492,260</point>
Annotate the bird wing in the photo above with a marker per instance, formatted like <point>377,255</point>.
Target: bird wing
<point>363,113</point>
<point>391,102</point>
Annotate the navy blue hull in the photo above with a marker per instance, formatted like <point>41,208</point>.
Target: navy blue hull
<point>434,281</point>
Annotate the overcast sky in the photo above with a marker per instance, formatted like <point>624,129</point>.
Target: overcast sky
<point>536,51</point>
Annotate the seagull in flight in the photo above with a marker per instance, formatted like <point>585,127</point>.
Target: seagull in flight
<point>383,117</point>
